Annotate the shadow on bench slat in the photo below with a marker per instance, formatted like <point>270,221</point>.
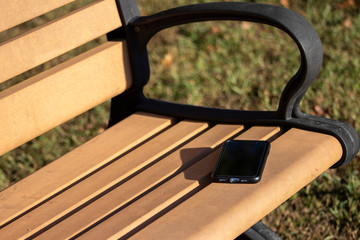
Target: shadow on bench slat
<point>78,163</point>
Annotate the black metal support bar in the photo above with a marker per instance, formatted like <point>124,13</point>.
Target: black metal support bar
<point>259,231</point>
<point>125,104</point>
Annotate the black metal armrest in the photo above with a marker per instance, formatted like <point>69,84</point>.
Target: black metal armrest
<point>140,29</point>
<point>292,23</point>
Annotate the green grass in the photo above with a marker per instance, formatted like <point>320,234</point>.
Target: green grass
<point>221,73</point>
<point>240,66</point>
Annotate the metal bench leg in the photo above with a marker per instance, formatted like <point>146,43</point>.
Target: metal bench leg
<point>259,231</point>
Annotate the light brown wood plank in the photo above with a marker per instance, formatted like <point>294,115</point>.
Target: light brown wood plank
<point>143,182</point>
<point>61,93</point>
<point>78,163</point>
<point>157,201</point>
<point>223,211</point>
<point>101,181</point>
<point>15,12</point>
<point>57,37</point>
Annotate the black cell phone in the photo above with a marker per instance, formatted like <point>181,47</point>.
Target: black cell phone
<point>241,161</point>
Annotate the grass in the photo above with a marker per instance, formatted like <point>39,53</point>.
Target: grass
<point>240,66</point>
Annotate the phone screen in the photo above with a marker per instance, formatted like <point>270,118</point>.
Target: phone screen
<point>241,161</point>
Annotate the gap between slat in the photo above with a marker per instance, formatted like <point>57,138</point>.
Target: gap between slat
<point>137,186</point>
<point>102,181</point>
<point>296,158</point>
<point>57,37</point>
<point>71,88</point>
<point>28,193</point>
<point>167,195</point>
<point>15,12</point>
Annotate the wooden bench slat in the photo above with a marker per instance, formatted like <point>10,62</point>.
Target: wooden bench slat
<point>15,12</point>
<point>34,106</point>
<point>159,200</point>
<point>101,181</point>
<point>143,182</point>
<point>295,159</point>
<point>78,163</point>
<point>57,37</point>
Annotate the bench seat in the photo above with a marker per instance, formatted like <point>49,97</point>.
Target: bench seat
<point>154,171</point>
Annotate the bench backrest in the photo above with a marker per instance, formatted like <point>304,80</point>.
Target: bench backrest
<point>62,92</point>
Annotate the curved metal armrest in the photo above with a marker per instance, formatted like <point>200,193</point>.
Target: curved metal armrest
<point>292,23</point>
<point>140,29</point>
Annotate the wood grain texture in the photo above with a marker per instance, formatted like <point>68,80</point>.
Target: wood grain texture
<point>164,197</point>
<point>100,182</point>
<point>37,105</point>
<point>142,182</point>
<point>78,163</point>
<point>150,194</point>
<point>223,211</point>
<point>15,12</point>
<point>57,37</point>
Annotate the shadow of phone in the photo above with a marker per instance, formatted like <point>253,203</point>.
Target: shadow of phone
<point>202,166</point>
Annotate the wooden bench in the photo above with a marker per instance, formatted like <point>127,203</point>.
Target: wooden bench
<point>148,175</point>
